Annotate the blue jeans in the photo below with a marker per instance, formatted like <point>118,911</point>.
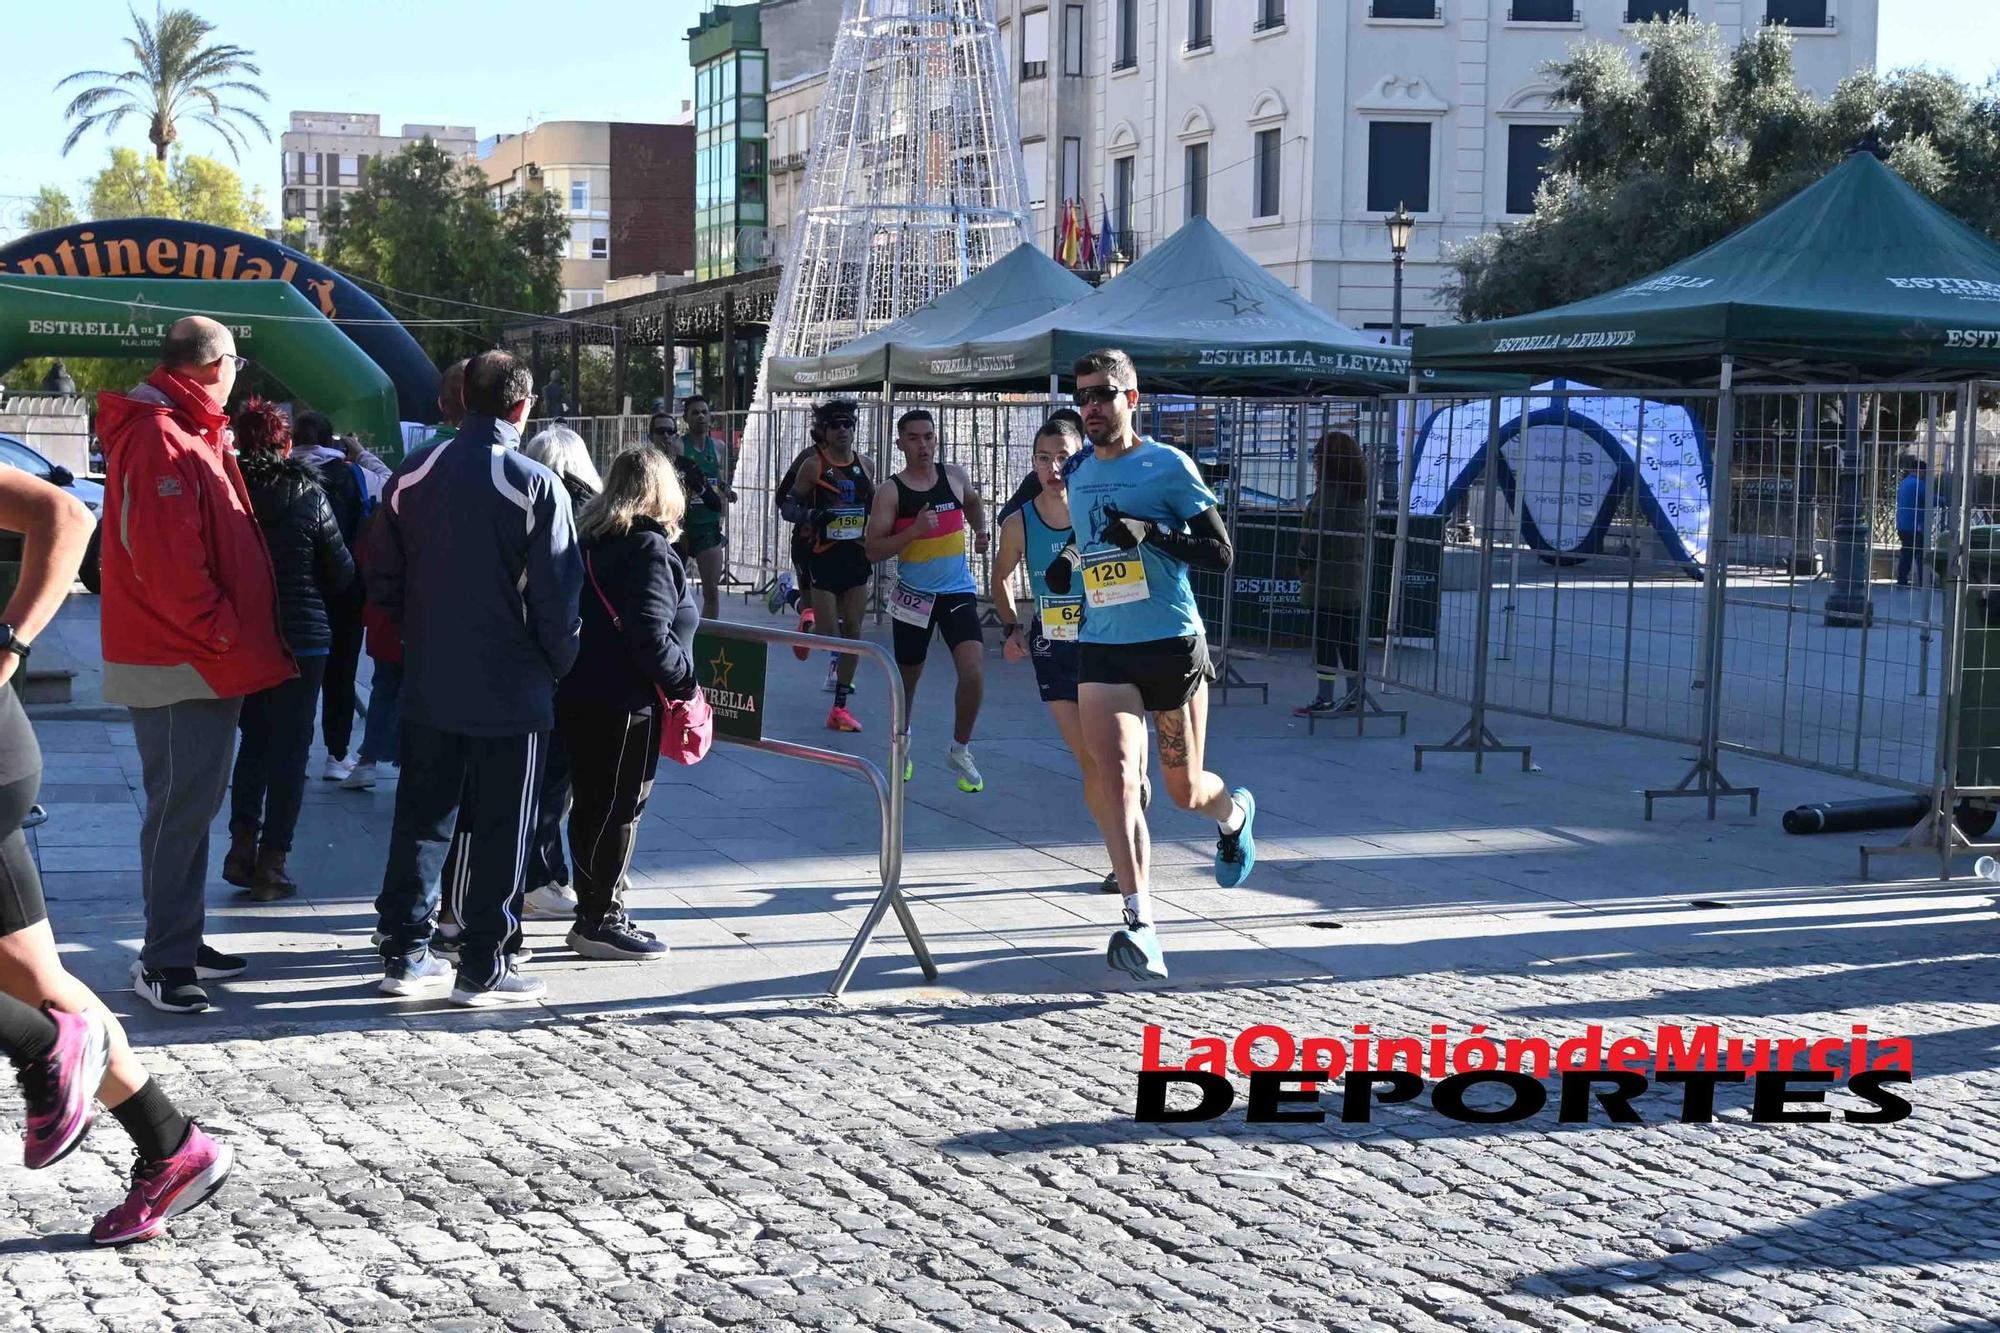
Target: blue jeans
<point>381,734</point>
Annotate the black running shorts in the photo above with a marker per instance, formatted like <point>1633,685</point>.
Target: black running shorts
<point>954,614</point>
<point>1166,671</point>
<point>841,567</point>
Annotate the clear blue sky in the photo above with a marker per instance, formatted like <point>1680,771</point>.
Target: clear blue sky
<point>506,62</point>
<point>493,66</point>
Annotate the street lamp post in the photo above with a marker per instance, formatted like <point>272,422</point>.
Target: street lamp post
<point>1115,265</point>
<point>1400,224</point>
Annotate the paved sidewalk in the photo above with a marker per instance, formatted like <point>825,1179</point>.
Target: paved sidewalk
<point>707,1142</point>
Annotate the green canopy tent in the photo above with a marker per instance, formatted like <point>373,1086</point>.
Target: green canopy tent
<point>1856,277</point>
<point>1023,285</point>
<point>1196,314</point>
<point>274,326</point>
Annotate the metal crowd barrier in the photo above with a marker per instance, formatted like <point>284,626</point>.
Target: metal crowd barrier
<point>888,788</point>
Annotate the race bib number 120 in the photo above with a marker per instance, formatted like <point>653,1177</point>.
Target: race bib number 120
<point>1114,578</point>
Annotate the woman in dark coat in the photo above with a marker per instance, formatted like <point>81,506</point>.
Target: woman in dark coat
<point>1332,558</point>
<point>639,619</point>
<point>312,565</point>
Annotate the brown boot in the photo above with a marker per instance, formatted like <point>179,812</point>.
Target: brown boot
<point>272,883</point>
<point>239,865</point>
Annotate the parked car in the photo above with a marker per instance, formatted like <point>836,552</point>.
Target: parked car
<point>17,453</point>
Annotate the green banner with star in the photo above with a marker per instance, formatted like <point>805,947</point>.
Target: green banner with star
<point>731,672</point>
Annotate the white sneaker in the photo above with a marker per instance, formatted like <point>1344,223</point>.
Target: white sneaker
<point>337,770</point>
<point>512,987</point>
<point>427,974</point>
<point>361,779</point>
<point>551,902</point>
<point>959,758</point>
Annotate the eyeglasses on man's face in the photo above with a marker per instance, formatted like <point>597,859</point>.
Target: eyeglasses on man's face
<point>1098,395</point>
<point>241,363</point>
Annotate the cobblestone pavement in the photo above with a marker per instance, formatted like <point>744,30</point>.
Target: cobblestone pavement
<point>964,1154</point>
<point>972,1165</point>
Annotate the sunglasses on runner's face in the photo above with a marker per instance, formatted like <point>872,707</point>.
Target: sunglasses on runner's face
<point>1097,395</point>
<point>837,423</point>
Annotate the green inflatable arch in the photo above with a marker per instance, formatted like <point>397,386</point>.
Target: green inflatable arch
<point>279,329</point>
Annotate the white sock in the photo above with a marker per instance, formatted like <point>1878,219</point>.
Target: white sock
<point>1233,824</point>
<point>1135,908</point>
<point>957,749</point>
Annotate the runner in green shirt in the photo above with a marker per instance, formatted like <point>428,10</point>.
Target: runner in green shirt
<point>707,534</point>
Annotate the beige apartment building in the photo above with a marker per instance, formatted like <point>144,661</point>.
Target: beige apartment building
<point>626,190</point>
<point>324,153</point>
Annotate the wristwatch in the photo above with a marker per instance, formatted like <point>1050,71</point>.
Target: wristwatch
<point>10,642</point>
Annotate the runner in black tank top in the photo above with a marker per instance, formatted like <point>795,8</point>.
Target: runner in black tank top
<point>834,488</point>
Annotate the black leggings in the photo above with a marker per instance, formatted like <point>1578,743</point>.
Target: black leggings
<point>1337,641</point>
<point>614,756</point>
<point>21,902</point>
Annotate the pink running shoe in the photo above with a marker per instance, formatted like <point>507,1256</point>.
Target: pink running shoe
<point>166,1189</point>
<point>806,622</point>
<point>841,720</point>
<point>61,1088</point>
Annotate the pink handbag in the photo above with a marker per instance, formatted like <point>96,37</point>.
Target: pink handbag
<point>687,726</point>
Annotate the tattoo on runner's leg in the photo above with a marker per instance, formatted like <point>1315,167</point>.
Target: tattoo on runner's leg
<point>1173,740</point>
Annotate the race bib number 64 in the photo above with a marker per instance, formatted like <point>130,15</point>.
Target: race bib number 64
<point>1114,578</point>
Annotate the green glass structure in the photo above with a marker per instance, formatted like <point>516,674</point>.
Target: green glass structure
<point>732,163</point>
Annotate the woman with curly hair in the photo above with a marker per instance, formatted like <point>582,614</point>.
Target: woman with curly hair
<point>312,565</point>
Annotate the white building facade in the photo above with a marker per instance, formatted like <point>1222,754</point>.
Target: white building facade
<point>1296,126</point>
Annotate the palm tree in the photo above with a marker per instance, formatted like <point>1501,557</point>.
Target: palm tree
<point>174,75</point>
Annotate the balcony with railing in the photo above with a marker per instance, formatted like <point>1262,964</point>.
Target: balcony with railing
<point>1034,69</point>
<point>1270,14</point>
<point>1654,11</point>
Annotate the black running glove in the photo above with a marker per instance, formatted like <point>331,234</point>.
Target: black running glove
<point>1061,571</point>
<point>1123,531</point>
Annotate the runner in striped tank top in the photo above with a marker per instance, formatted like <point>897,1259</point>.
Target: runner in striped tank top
<point>920,519</point>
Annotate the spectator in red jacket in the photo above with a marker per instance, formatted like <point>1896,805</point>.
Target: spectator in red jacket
<point>190,627</point>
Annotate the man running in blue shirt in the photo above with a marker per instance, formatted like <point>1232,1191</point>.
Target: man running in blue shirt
<point>1142,517</point>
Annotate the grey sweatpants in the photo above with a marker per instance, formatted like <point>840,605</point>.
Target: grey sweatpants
<point>184,751</point>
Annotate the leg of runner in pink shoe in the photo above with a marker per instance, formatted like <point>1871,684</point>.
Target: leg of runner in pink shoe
<point>55,528</point>
<point>166,1187</point>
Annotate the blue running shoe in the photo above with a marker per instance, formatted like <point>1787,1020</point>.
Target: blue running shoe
<point>1236,853</point>
<point>1135,951</point>
<point>781,592</point>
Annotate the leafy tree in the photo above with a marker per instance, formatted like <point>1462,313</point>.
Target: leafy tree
<point>192,189</point>
<point>424,235</point>
<point>175,73</point>
<point>51,209</point>
<point>1670,154</point>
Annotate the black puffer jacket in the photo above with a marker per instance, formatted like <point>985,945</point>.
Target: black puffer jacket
<point>617,668</point>
<point>311,560</point>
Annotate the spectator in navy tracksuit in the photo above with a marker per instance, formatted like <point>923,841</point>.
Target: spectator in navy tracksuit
<point>1910,516</point>
<point>476,558</point>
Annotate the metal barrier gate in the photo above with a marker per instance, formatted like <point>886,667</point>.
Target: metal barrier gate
<point>888,787</point>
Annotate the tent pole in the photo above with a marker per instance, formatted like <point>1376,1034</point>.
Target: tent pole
<point>1705,778</point>
<point>1406,469</point>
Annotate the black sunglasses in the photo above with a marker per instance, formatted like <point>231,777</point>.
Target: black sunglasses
<point>1097,395</point>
